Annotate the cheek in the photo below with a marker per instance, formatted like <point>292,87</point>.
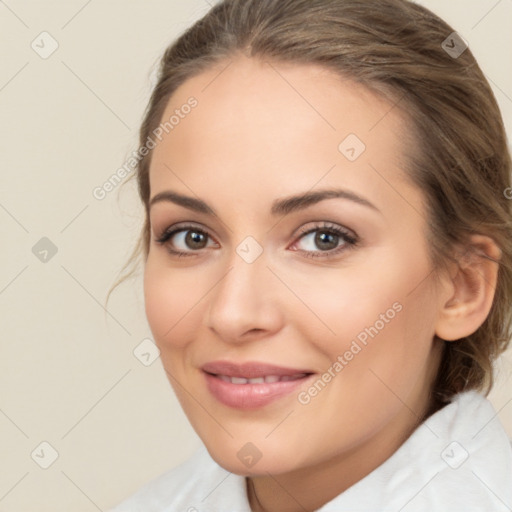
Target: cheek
<point>384,302</point>
<point>342,303</point>
<point>171,301</point>
<point>393,344</point>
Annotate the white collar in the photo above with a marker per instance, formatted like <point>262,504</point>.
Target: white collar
<point>459,459</point>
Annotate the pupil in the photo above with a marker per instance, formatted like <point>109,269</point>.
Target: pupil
<point>193,239</point>
<point>325,238</point>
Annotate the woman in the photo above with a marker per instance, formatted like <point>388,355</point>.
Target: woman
<point>328,249</point>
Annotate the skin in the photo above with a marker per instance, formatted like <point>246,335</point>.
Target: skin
<point>263,132</point>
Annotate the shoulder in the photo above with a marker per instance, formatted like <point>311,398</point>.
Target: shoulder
<point>183,488</point>
<point>478,451</point>
<point>459,459</point>
<point>468,463</point>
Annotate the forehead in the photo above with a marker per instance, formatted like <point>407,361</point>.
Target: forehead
<point>277,126</point>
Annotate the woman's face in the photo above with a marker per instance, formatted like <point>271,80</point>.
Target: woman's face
<point>306,268</point>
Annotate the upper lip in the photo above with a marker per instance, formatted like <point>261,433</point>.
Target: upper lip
<point>250,370</point>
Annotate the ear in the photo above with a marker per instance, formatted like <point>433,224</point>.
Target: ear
<point>470,289</point>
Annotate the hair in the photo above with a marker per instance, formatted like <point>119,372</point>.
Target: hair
<point>394,48</point>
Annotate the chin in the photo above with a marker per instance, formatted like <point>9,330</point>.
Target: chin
<point>248,460</point>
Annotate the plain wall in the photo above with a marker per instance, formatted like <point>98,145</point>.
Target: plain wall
<point>68,374</point>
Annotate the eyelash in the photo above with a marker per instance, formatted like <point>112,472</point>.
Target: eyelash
<point>349,240</point>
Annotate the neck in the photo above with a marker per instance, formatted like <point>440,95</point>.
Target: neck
<point>312,487</point>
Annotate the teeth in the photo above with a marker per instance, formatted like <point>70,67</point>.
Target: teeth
<point>268,379</point>
<point>238,380</point>
<point>257,380</point>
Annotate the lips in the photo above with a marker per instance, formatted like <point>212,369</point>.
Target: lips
<point>251,385</point>
<point>251,370</point>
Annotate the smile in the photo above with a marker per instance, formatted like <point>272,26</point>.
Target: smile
<point>251,385</point>
<point>269,379</point>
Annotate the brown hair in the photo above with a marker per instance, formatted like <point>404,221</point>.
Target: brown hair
<point>393,47</point>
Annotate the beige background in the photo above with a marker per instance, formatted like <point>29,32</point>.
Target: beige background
<point>68,374</point>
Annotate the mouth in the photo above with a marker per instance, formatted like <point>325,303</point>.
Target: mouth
<point>269,379</point>
<point>251,385</point>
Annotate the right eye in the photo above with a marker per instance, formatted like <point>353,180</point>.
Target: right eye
<point>184,240</point>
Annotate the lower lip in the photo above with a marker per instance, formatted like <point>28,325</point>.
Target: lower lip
<point>250,396</point>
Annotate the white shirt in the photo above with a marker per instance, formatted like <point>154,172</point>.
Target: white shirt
<point>459,459</point>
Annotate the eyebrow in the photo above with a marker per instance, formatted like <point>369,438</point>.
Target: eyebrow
<point>282,206</point>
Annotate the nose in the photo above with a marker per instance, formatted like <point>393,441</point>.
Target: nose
<point>245,304</point>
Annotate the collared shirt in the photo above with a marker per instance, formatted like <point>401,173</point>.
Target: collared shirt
<point>458,460</point>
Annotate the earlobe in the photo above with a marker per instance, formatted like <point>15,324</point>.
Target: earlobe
<point>472,287</point>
